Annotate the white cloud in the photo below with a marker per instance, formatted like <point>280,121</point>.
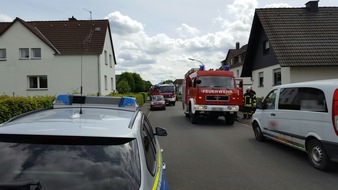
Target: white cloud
<point>5,18</point>
<point>160,57</point>
<point>123,25</point>
<point>277,5</point>
<point>186,31</point>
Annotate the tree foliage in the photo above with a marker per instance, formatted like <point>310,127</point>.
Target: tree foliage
<point>123,86</point>
<point>134,81</point>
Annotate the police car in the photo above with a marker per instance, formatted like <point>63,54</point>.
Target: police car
<point>82,142</point>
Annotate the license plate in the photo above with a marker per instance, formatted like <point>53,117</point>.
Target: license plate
<point>217,109</point>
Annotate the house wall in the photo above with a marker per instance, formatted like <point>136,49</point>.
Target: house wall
<point>268,81</point>
<point>237,73</point>
<point>63,71</point>
<point>107,69</point>
<point>300,74</point>
<point>261,60</point>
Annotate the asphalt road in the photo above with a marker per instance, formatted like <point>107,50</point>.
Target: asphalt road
<point>212,155</point>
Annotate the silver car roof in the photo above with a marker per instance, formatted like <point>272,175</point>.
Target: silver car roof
<point>91,120</point>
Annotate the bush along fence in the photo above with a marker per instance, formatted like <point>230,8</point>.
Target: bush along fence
<point>13,106</point>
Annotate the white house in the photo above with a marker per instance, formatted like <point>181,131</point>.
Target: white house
<point>288,45</point>
<point>53,57</point>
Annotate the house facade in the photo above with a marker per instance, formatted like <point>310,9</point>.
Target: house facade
<point>53,57</point>
<point>288,45</point>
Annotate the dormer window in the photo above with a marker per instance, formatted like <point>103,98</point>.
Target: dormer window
<point>266,47</point>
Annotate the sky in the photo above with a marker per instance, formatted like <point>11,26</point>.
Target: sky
<point>156,38</point>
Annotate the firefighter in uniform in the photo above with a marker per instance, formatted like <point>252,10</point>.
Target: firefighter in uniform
<point>249,103</point>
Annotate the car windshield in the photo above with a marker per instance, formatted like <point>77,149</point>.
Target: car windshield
<point>157,98</point>
<point>217,82</point>
<point>167,89</point>
<point>61,166</point>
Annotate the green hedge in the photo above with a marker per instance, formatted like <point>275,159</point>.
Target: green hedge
<point>13,106</point>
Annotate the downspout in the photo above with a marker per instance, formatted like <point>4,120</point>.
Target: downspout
<point>99,75</point>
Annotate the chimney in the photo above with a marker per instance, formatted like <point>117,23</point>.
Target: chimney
<point>72,19</point>
<point>237,45</point>
<point>312,6</point>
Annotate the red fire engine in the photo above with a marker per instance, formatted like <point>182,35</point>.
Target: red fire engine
<point>167,90</point>
<point>211,93</point>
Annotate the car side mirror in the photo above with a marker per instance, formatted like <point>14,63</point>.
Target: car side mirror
<point>160,131</point>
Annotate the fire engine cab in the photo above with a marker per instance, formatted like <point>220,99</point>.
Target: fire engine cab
<point>211,93</point>
<point>167,90</point>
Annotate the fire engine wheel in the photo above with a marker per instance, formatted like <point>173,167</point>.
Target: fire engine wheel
<point>193,117</point>
<point>230,119</point>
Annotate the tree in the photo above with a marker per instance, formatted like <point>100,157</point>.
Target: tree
<point>123,86</point>
<point>139,83</point>
<point>128,77</point>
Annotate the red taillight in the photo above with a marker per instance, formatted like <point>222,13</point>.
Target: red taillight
<point>335,111</point>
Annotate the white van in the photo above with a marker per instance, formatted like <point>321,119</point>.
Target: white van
<point>304,116</point>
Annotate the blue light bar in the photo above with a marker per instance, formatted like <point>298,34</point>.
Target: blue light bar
<point>202,67</point>
<point>226,67</point>
<point>128,102</point>
<point>105,101</point>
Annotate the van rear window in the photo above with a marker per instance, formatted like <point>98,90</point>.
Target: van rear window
<point>305,99</point>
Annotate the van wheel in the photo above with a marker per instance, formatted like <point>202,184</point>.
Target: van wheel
<point>317,155</point>
<point>258,132</point>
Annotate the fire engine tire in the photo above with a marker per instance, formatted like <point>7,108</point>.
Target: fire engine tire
<point>230,119</point>
<point>187,115</point>
<point>193,118</point>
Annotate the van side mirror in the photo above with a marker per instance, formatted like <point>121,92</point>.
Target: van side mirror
<point>261,105</point>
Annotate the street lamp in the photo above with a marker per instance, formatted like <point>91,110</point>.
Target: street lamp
<point>191,59</point>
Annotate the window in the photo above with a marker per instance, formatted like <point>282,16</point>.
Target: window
<point>37,82</point>
<point>105,57</point>
<point>110,61</point>
<point>112,83</point>
<point>231,61</point>
<point>266,47</point>
<point>105,82</point>
<point>261,79</point>
<point>307,99</point>
<point>36,53</point>
<point>3,55</point>
<point>277,77</point>
<point>24,53</point>
<point>147,136</point>
<point>270,100</point>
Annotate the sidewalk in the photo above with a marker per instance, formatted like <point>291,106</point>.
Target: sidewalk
<point>145,108</point>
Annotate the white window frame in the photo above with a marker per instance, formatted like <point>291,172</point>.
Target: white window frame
<point>275,72</point>
<point>112,83</point>
<point>260,75</point>
<point>105,57</point>
<point>266,47</point>
<point>38,82</point>
<point>34,52</point>
<point>105,82</point>
<point>110,61</point>
<point>3,54</point>
<point>24,53</point>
